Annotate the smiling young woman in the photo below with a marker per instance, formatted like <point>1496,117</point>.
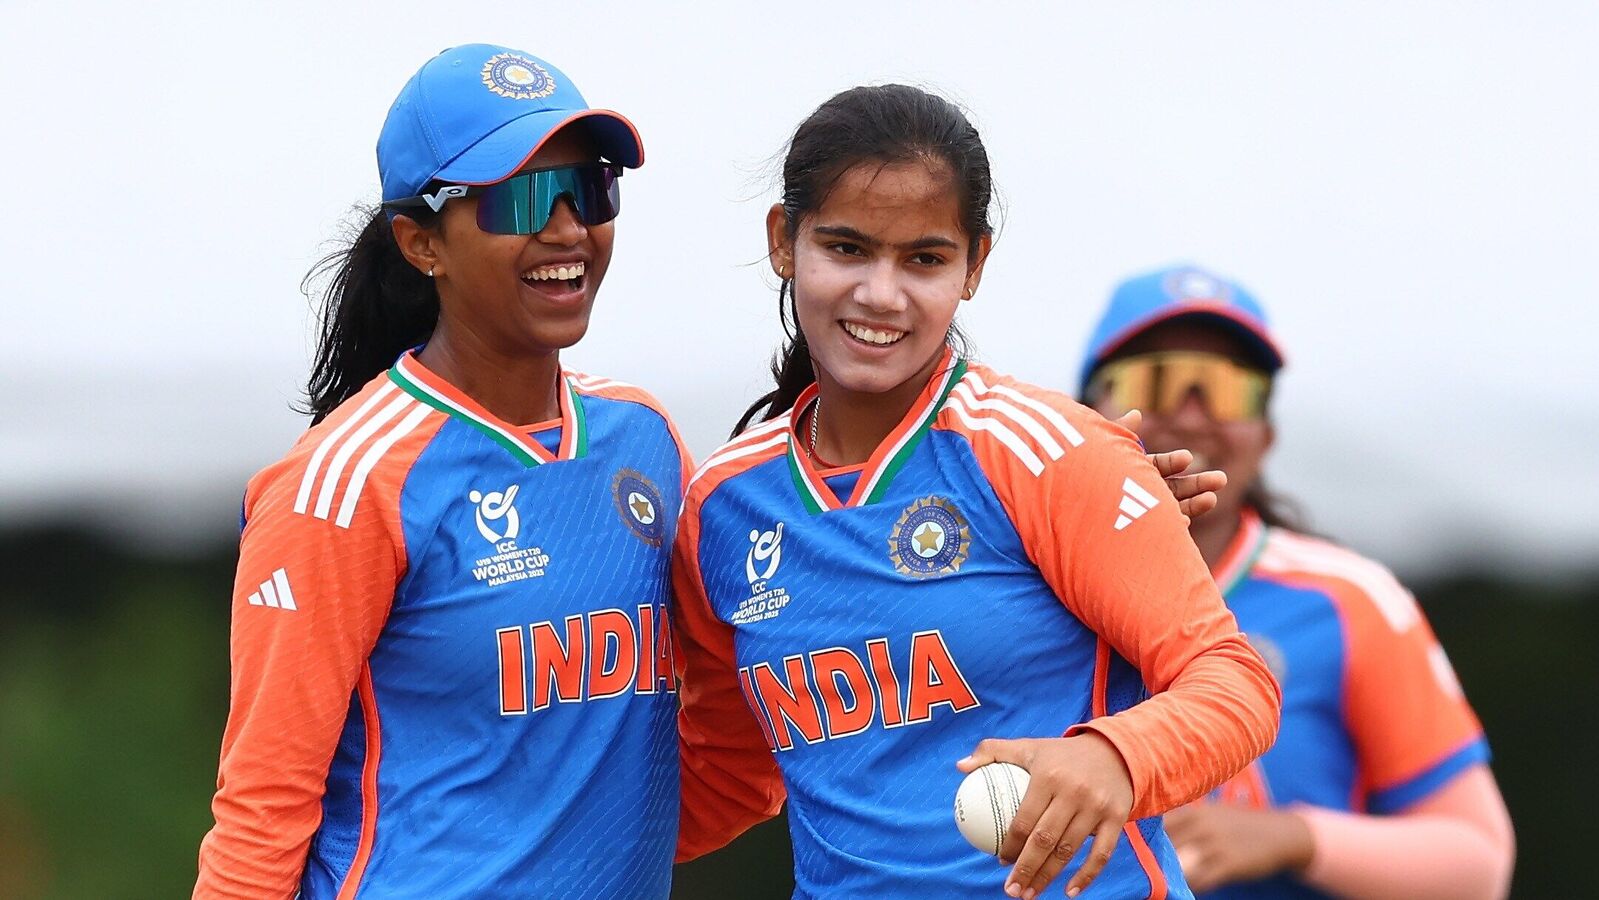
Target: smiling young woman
<point>916,565</point>
<point>451,665</point>
<point>1378,785</point>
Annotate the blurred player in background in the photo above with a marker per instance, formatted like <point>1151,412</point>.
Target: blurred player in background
<point>914,553</point>
<point>1378,785</point>
<point>451,674</point>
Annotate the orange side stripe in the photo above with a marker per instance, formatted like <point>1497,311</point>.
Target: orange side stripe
<point>369,787</point>
<point>1135,839</point>
<point>1146,858</point>
<point>1101,676</point>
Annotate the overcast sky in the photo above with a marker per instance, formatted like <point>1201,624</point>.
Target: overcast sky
<point>1411,188</point>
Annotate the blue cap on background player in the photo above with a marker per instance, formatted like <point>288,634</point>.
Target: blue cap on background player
<point>1144,301</point>
<point>475,114</point>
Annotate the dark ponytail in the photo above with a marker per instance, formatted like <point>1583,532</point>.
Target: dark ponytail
<point>887,124</point>
<point>376,306</point>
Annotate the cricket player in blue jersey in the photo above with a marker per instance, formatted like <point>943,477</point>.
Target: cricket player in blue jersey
<point>1378,785</point>
<point>916,565</point>
<point>451,668</point>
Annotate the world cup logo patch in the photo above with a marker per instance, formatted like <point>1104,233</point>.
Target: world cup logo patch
<point>638,501</point>
<point>930,539</point>
<point>517,77</point>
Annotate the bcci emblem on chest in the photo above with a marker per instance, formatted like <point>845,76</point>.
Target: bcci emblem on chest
<point>638,502</point>
<point>930,539</point>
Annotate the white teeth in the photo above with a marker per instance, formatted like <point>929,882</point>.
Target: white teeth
<point>558,273</point>
<point>872,336</point>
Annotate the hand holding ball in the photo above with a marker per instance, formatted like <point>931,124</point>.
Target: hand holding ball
<point>987,801</point>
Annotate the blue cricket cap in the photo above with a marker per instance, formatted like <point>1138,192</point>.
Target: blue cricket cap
<point>1144,301</point>
<point>475,114</point>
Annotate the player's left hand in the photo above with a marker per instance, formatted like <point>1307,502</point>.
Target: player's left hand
<point>1079,788</point>
<point>1219,844</point>
<point>1196,492</point>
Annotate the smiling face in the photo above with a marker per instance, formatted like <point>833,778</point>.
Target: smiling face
<point>878,273</point>
<point>516,294</point>
<point>1237,447</point>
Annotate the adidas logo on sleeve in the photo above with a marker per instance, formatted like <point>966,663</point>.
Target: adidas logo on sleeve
<point>275,592</point>
<point>1135,502</point>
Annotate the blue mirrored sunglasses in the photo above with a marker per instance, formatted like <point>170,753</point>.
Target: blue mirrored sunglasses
<point>523,204</point>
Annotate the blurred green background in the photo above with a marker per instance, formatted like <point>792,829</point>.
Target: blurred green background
<point>113,691</point>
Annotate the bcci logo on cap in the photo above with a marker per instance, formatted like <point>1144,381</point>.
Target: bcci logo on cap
<point>517,77</point>
<point>1196,286</point>
<point>638,501</point>
<point>930,539</point>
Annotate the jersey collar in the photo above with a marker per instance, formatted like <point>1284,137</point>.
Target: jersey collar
<point>1241,553</point>
<point>418,381</point>
<point>889,457</point>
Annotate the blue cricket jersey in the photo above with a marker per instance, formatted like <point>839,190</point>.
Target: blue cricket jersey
<point>848,636</point>
<point>452,673</point>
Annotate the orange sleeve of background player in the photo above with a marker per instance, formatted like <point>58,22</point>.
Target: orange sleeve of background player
<point>1412,728</point>
<point>730,779</point>
<point>1105,532</point>
<point>313,590</point>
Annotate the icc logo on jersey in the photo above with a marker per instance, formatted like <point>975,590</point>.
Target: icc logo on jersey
<point>497,521</point>
<point>931,538</point>
<point>495,507</point>
<point>638,502</point>
<point>760,564</point>
<point>767,550</point>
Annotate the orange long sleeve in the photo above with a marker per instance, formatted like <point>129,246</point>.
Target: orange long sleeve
<point>319,560</point>
<point>1105,532</point>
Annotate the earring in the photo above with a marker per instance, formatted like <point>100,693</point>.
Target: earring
<point>967,295</point>
<point>782,271</point>
<point>430,271</point>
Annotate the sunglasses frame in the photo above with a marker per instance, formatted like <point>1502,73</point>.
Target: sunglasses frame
<point>1102,385</point>
<point>436,200</point>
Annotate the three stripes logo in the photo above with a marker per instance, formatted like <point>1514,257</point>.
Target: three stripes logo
<point>275,592</point>
<point>1135,502</point>
<point>339,468</point>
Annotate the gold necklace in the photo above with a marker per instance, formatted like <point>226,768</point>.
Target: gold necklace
<point>816,413</point>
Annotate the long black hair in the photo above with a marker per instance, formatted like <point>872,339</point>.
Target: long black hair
<point>888,123</point>
<point>375,306</point>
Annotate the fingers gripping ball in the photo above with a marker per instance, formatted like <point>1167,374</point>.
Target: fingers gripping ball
<point>987,801</point>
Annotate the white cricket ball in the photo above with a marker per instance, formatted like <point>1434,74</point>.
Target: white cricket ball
<point>987,801</point>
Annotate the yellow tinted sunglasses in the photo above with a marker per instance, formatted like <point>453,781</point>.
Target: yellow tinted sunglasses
<point>1158,383</point>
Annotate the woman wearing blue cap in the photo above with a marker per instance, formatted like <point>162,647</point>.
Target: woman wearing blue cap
<point>1378,785</point>
<point>451,668</point>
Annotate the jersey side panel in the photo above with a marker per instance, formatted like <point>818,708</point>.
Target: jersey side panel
<point>320,554</point>
<point>729,778</point>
